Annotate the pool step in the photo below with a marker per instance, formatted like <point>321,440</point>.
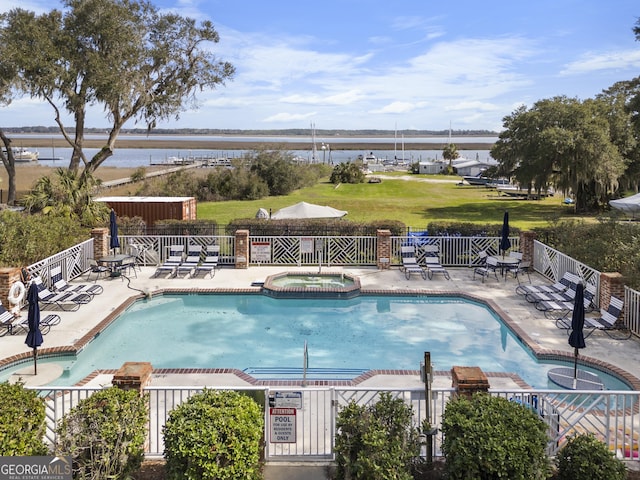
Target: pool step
<point>312,373</point>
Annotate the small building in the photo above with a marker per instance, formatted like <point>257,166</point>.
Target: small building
<point>153,209</point>
<point>431,168</point>
<point>471,168</point>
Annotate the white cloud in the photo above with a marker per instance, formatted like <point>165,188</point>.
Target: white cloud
<point>593,62</point>
<point>289,117</point>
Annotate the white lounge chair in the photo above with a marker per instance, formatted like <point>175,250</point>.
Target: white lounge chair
<point>410,263</point>
<point>170,265</point>
<point>188,266</point>
<point>608,320</point>
<point>432,262</point>
<point>61,285</point>
<point>560,286</point>
<point>67,301</point>
<point>210,262</point>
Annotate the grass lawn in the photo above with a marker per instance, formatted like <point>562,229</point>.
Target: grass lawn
<point>414,200</point>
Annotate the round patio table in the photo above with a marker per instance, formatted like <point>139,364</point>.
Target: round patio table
<point>505,262</point>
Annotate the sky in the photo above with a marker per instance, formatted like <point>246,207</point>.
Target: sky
<point>408,64</point>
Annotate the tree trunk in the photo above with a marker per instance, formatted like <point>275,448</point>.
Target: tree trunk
<point>9,163</point>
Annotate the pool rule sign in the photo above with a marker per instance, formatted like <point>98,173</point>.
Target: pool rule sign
<point>283,425</point>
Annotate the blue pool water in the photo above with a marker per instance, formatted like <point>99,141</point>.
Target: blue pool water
<point>247,331</point>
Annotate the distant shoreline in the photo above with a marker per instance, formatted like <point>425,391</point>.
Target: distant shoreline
<point>123,142</point>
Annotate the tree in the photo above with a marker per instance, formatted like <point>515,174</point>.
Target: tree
<point>69,196</point>
<point>567,143</point>
<point>137,63</point>
<point>347,173</point>
<point>450,153</point>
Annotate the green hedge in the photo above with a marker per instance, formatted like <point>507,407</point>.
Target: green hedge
<point>376,441</point>
<point>584,456</point>
<point>22,421</point>
<point>215,435</point>
<point>105,434</point>
<point>490,437</point>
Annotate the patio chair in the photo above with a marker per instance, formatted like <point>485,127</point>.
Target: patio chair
<point>188,266</point>
<point>7,320</point>
<point>61,285</point>
<point>176,254</point>
<point>210,262</point>
<point>127,267</point>
<point>489,267</point>
<point>67,301</point>
<point>608,320</point>
<point>410,263</point>
<point>97,269</point>
<point>432,262</point>
<point>560,286</point>
<point>520,268</point>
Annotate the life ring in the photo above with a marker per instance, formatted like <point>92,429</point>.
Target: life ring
<point>16,293</point>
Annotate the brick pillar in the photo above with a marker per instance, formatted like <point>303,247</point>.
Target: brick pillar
<point>526,246</point>
<point>242,248</point>
<point>383,254</point>
<point>100,242</point>
<point>611,284</point>
<point>468,380</point>
<point>8,276</point>
<point>133,376</point>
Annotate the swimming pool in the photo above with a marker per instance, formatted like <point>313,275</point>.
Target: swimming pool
<point>252,332</point>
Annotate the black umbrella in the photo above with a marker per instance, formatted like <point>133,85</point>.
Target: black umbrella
<point>34,336</point>
<point>576,339</point>
<point>505,243</point>
<point>114,242</point>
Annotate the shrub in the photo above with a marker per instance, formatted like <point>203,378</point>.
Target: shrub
<point>214,435</point>
<point>22,421</point>
<point>376,441</point>
<point>490,437</point>
<point>584,456</point>
<point>105,434</point>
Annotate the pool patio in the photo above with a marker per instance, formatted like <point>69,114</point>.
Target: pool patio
<point>78,328</point>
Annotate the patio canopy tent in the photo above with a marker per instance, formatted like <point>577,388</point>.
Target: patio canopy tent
<point>629,205</point>
<point>307,210</point>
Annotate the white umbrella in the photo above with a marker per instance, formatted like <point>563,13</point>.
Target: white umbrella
<point>307,210</point>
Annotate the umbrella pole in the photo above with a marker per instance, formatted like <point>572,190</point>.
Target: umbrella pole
<point>575,367</point>
<point>35,361</point>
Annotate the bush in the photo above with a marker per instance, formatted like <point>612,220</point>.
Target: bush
<point>490,437</point>
<point>214,435</point>
<point>105,434</point>
<point>584,456</point>
<point>22,421</point>
<point>376,441</point>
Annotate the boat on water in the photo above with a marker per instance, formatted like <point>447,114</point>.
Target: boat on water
<point>23,155</point>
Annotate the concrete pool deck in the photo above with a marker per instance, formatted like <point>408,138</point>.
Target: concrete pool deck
<point>81,326</point>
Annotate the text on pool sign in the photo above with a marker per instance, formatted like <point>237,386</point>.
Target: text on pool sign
<point>283,425</point>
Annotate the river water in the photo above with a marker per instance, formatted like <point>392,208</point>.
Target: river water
<point>331,153</point>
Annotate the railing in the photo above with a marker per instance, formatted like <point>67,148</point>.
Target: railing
<point>612,416</point>
<point>73,261</point>
<point>553,264</point>
<point>453,251</point>
<point>632,309</point>
<point>154,249</point>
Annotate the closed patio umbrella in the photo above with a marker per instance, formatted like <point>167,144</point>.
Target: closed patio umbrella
<point>576,339</point>
<point>505,243</point>
<point>114,242</point>
<point>34,336</point>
